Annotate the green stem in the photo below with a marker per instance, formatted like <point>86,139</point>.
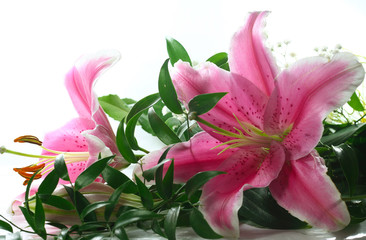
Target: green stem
<point>361,118</point>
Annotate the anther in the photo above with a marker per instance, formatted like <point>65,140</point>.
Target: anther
<point>28,139</point>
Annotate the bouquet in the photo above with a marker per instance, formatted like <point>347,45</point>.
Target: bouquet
<point>247,142</point>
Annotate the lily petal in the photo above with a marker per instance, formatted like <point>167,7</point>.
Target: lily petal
<point>307,192</point>
<point>80,81</point>
<point>244,100</point>
<point>190,157</point>
<point>222,196</point>
<point>100,140</point>
<point>250,58</point>
<point>304,96</point>
<point>69,138</point>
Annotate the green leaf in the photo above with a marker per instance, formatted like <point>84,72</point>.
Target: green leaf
<point>60,168</point>
<point>355,103</point>
<point>27,190</point>
<point>92,207</point>
<point>113,199</point>
<point>48,184</point>
<point>167,91</point>
<point>347,157</point>
<point>159,175</point>
<point>143,104</point>
<point>157,229</point>
<point>176,51</point>
<point>150,173</point>
<point>357,210</point>
<point>219,59</point>
<point>170,222</point>
<point>120,233</point>
<point>162,131</point>
<point>5,226</point>
<point>115,107</point>
<point>343,134</point>
<point>115,179</point>
<point>130,132</point>
<point>203,103</point>
<point>168,181</point>
<point>134,215</point>
<point>198,180</point>
<point>145,194</point>
<point>123,145</point>
<point>58,202</point>
<point>200,225</point>
<point>260,208</point>
<point>81,203</point>
<point>91,173</point>
<point>28,217</point>
<point>40,218</point>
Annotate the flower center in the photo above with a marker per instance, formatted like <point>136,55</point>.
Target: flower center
<point>248,135</point>
<point>45,164</point>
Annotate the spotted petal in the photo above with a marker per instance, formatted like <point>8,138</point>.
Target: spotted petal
<point>304,96</point>
<point>190,157</point>
<point>244,100</point>
<point>307,192</point>
<point>222,196</point>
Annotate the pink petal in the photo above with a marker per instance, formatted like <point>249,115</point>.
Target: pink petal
<point>222,196</point>
<point>101,141</point>
<point>307,192</point>
<point>190,157</point>
<point>80,81</point>
<point>250,58</point>
<point>304,96</point>
<point>69,138</point>
<point>244,100</point>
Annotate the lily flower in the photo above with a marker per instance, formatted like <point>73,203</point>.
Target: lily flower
<point>82,139</point>
<point>264,131</point>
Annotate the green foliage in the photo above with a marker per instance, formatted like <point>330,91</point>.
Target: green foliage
<point>177,52</point>
<point>221,60</point>
<point>203,103</point>
<point>114,106</point>
<point>167,90</point>
<point>355,103</point>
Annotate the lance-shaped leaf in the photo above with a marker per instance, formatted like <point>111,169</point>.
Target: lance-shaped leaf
<point>48,185</point>
<point>60,168</point>
<point>176,51</point>
<point>200,225</point>
<point>198,180</point>
<point>92,207</point>
<point>203,103</point>
<point>116,178</point>
<point>91,173</point>
<point>143,104</point>
<point>170,222</point>
<point>123,145</point>
<point>343,134</point>
<point>113,199</point>
<point>5,226</point>
<point>260,208</point>
<point>347,157</point>
<point>114,106</point>
<point>355,103</point>
<point>58,202</point>
<point>130,132</point>
<point>145,194</point>
<point>162,131</point>
<point>134,215</point>
<point>40,218</point>
<point>150,173</point>
<point>167,90</point>
<point>220,59</point>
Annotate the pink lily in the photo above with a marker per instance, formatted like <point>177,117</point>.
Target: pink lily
<point>263,132</point>
<point>83,138</point>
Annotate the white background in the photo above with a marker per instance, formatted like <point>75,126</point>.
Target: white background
<point>40,41</point>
